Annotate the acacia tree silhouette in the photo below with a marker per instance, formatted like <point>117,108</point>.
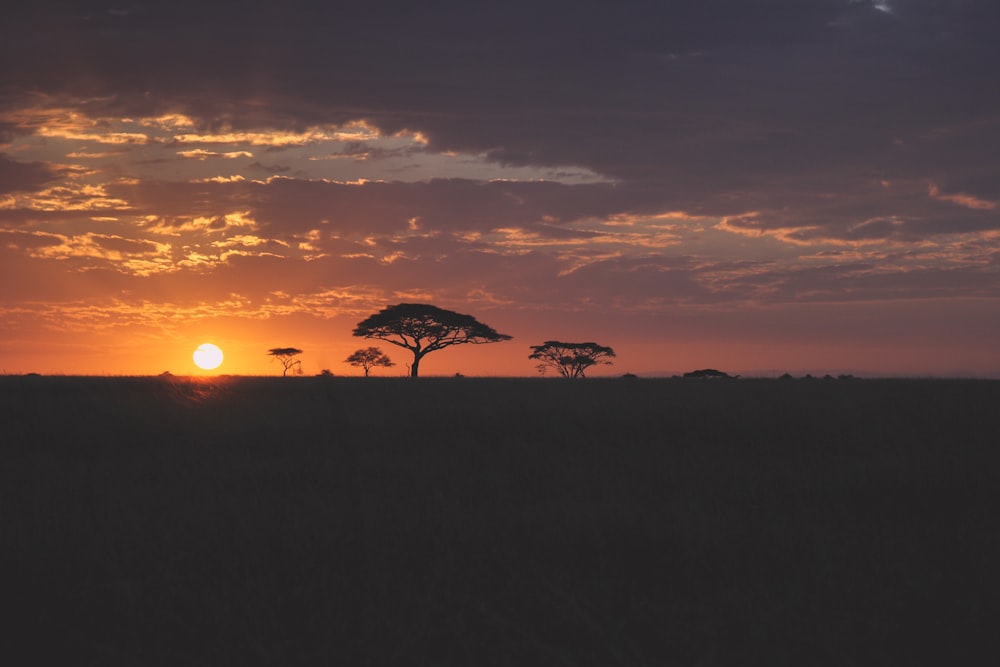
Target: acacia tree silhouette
<point>369,358</point>
<point>286,356</point>
<point>570,359</point>
<point>422,328</point>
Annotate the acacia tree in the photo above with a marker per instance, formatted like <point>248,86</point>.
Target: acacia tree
<point>286,356</point>
<point>369,358</point>
<point>422,328</point>
<point>570,359</point>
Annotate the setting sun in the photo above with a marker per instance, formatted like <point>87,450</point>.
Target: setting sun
<point>207,356</point>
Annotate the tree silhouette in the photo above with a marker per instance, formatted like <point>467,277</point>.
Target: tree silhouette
<point>422,328</point>
<point>286,356</point>
<point>710,374</point>
<point>369,358</point>
<point>570,359</point>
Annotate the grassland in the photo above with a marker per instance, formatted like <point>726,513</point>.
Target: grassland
<point>476,522</point>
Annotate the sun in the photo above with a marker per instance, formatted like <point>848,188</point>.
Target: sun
<point>207,356</point>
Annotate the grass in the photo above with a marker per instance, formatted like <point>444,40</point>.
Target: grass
<point>444,521</point>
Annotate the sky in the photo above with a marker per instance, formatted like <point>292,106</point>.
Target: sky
<point>758,187</point>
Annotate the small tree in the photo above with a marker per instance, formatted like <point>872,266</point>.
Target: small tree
<point>369,358</point>
<point>570,359</point>
<point>710,374</point>
<point>422,328</point>
<point>286,357</point>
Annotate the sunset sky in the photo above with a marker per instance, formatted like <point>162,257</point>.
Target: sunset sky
<point>756,186</point>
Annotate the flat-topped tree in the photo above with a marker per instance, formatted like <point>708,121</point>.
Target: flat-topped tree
<point>369,359</point>
<point>286,356</point>
<point>422,328</point>
<point>571,359</point>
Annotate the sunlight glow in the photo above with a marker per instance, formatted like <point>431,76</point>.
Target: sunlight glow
<point>207,356</point>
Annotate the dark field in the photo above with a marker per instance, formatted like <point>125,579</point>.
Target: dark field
<point>474,522</point>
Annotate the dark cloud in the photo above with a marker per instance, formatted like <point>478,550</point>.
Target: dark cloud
<point>123,245</point>
<point>276,169</point>
<point>289,206</point>
<point>20,176</point>
<point>709,99</point>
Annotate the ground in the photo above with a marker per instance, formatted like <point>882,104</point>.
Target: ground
<point>474,521</point>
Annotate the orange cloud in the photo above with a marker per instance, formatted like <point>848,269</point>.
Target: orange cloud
<point>962,199</point>
<point>201,154</point>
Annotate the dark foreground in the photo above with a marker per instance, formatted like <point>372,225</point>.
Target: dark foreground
<point>480,522</point>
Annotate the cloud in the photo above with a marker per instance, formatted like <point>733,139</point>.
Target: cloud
<point>18,176</point>
<point>963,199</point>
<point>199,154</point>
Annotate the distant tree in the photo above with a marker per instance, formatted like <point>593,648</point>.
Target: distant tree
<point>286,357</point>
<point>571,360</point>
<point>369,358</point>
<point>423,328</point>
<point>710,374</point>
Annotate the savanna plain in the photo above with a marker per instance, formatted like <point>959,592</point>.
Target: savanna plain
<point>492,521</point>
